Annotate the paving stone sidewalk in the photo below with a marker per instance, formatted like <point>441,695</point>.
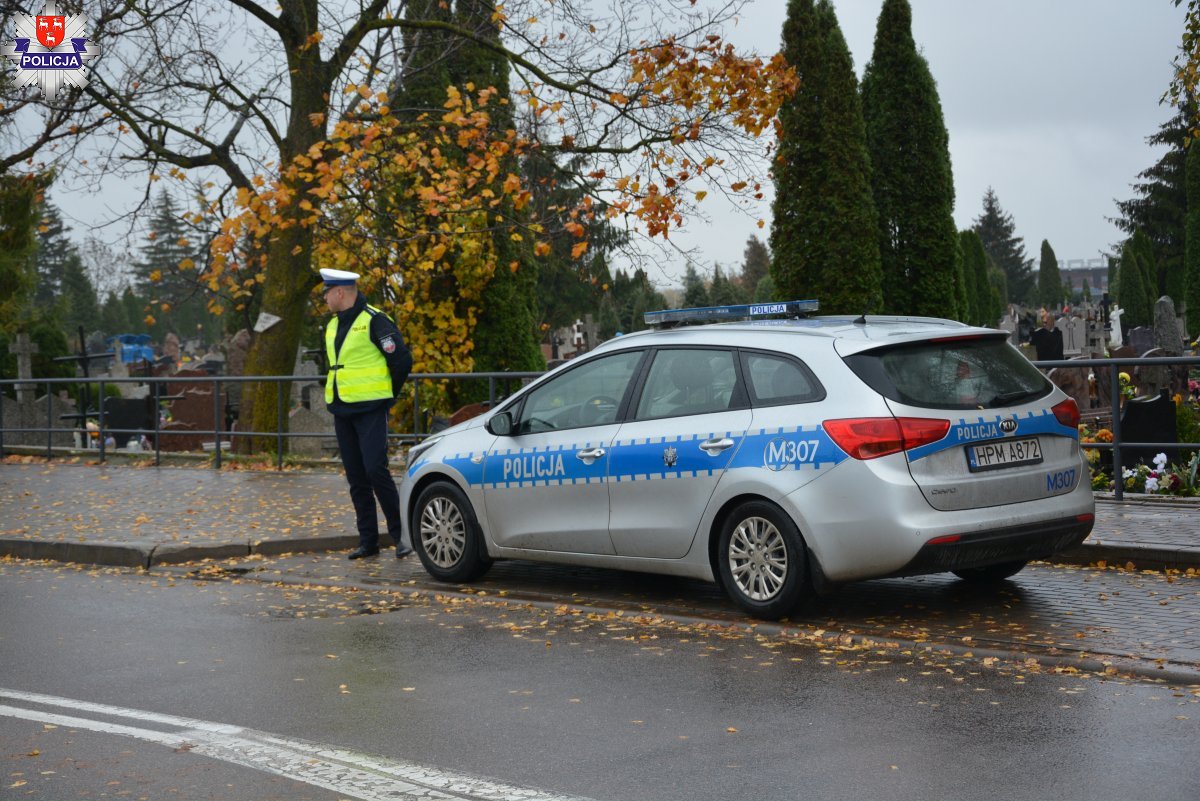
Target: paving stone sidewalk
<point>106,514</point>
<point>262,525</point>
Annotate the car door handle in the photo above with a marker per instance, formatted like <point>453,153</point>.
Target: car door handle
<point>590,456</point>
<point>714,446</point>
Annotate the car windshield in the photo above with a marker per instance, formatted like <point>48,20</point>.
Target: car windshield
<point>967,373</point>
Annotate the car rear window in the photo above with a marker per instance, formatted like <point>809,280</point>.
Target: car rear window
<point>953,373</point>
<point>776,380</point>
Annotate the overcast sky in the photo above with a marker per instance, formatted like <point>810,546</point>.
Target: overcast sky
<point>1049,102</point>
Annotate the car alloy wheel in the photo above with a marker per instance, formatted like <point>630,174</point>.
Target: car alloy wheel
<point>758,559</point>
<point>443,532</point>
<point>446,535</point>
<point>761,560</point>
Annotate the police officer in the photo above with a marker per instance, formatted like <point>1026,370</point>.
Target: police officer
<point>368,363</point>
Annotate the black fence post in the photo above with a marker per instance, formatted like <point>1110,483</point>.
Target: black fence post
<point>157,430</point>
<point>49,422</point>
<point>416,409</point>
<point>279,425</point>
<point>1115,389</point>
<point>217,424</point>
<point>100,424</point>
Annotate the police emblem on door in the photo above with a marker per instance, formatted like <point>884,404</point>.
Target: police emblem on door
<point>670,456</point>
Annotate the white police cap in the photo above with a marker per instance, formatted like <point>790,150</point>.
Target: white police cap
<point>338,277</point>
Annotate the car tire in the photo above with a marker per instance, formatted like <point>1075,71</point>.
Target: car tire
<point>761,559</point>
<point>446,535</point>
<point>992,573</point>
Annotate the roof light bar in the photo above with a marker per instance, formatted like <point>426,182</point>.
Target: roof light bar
<point>708,314</point>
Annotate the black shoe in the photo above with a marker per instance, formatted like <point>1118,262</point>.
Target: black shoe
<point>361,552</point>
<point>403,551</point>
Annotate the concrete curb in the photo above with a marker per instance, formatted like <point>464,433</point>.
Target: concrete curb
<point>146,555</point>
<point>1143,557</point>
<point>174,553</point>
<point>330,542</point>
<point>117,554</point>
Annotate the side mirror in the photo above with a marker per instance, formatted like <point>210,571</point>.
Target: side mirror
<point>500,424</point>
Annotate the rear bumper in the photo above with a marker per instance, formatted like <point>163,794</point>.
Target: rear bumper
<point>1014,543</point>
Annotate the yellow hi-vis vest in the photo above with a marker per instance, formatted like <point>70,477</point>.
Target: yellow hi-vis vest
<point>358,370</point>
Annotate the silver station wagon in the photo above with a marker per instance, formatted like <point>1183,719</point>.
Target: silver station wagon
<point>776,453</point>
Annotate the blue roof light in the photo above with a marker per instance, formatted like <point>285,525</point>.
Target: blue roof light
<point>711,314</point>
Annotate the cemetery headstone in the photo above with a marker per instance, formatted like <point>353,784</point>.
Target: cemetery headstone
<point>1150,419</point>
<point>1095,340</point>
<point>1170,341</point>
<point>128,414</point>
<point>24,349</point>
<point>1142,339</point>
<point>1072,334</point>
<point>1009,326</point>
<point>235,352</point>
<point>34,414</point>
<point>1166,327</point>
<point>1074,382</point>
<point>191,412</point>
<point>302,391</point>
<point>171,347</point>
<point>311,421</point>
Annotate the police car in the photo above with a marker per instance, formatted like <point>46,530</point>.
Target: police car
<point>778,454</point>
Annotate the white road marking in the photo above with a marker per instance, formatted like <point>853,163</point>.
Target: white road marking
<point>349,773</point>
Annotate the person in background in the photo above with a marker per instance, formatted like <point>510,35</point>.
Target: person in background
<point>368,363</point>
<point>1047,340</point>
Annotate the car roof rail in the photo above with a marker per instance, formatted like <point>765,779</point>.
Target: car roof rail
<point>672,318</point>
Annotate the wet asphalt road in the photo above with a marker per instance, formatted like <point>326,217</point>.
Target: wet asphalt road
<point>572,704</point>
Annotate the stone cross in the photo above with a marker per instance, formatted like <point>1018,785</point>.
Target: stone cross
<point>24,350</point>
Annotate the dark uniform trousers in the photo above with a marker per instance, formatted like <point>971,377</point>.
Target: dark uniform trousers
<point>362,441</point>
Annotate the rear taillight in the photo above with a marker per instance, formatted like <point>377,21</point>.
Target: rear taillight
<point>872,437</point>
<point>1067,413</point>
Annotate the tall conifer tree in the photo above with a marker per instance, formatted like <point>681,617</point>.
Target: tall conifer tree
<point>756,263</point>
<point>983,301</point>
<point>824,237</point>
<point>1006,250</point>
<point>1050,289</point>
<point>911,177</point>
<point>1160,208</point>
<point>962,300</point>
<point>973,277</point>
<point>54,251</point>
<point>1133,297</point>
<point>166,277</point>
<point>505,336</point>
<point>695,294</point>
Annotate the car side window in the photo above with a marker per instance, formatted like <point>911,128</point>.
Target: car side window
<point>690,381</point>
<point>775,380</point>
<point>589,395</point>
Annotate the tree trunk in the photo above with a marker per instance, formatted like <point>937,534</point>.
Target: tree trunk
<point>289,282</point>
<point>288,272</point>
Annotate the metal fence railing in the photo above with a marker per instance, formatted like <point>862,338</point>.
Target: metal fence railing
<point>1114,395</point>
<point>499,385</point>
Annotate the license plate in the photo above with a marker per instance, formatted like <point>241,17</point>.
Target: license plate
<point>1004,453</point>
